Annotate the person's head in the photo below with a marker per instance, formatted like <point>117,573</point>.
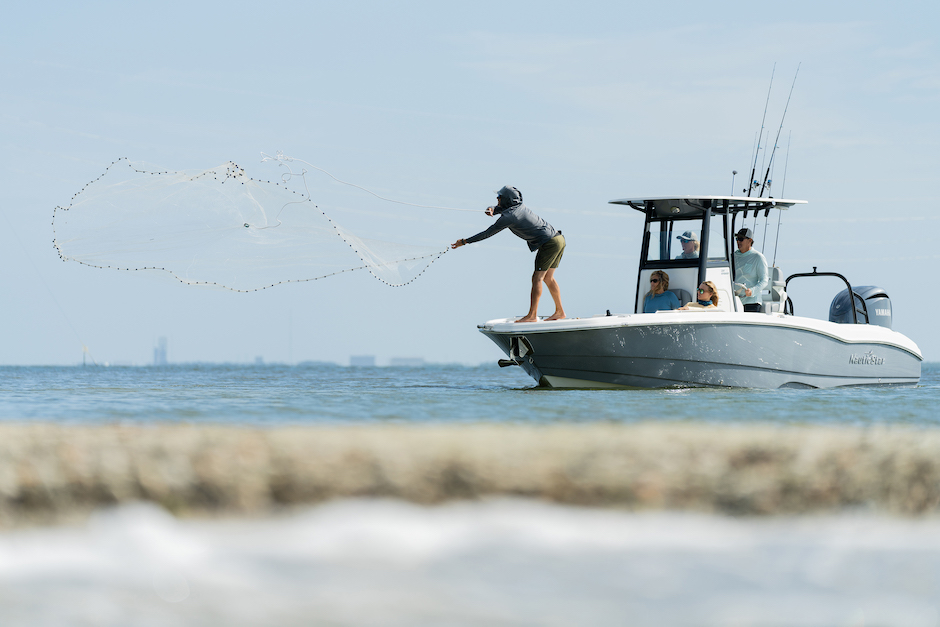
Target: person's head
<point>507,196</point>
<point>708,291</point>
<point>745,239</point>
<point>689,242</point>
<point>659,282</point>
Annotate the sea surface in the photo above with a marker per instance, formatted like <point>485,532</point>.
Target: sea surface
<point>274,395</point>
<point>505,562</point>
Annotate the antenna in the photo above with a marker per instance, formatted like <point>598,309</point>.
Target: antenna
<point>752,183</point>
<point>733,174</point>
<point>42,280</point>
<point>766,183</point>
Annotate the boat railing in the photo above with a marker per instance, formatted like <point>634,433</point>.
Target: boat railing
<point>788,307</point>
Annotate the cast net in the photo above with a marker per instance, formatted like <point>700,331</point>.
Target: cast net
<point>223,228</point>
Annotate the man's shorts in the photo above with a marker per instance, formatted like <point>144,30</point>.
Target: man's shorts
<point>549,254</point>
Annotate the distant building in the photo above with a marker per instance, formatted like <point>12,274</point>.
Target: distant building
<point>259,360</point>
<point>159,352</point>
<point>410,362</point>
<point>362,360</point>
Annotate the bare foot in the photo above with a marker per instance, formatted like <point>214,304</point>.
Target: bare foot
<point>528,319</point>
<point>557,316</point>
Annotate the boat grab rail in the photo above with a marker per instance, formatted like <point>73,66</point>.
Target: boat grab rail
<point>789,302</point>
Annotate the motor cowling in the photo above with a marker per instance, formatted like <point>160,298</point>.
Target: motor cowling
<point>877,304</point>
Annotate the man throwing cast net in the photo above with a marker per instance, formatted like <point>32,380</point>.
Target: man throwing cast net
<point>539,235</point>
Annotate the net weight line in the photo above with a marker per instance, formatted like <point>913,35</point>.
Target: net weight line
<point>232,173</point>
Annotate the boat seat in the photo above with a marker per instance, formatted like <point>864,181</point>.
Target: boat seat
<point>684,297</point>
<point>725,300</point>
<point>775,296</point>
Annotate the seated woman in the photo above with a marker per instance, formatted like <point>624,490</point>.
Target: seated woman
<point>658,298</point>
<point>707,297</point>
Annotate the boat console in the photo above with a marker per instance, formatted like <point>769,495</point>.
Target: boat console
<point>691,238</point>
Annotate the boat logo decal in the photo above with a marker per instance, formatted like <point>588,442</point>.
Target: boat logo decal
<point>866,359</point>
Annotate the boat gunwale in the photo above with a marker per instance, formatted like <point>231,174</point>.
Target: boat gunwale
<point>507,326</point>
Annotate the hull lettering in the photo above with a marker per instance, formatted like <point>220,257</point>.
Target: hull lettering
<point>866,359</point>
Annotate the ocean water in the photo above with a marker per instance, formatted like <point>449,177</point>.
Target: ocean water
<point>272,395</point>
<point>364,563</point>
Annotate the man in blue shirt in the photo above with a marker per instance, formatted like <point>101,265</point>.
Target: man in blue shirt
<point>539,235</point>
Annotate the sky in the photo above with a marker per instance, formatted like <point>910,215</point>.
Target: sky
<point>442,103</point>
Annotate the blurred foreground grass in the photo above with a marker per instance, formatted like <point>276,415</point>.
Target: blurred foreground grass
<point>52,473</point>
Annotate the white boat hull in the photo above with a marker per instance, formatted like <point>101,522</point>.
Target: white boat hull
<point>724,349</point>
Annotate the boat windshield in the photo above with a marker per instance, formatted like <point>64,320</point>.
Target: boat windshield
<point>671,240</point>
<point>680,240</point>
<point>716,239</point>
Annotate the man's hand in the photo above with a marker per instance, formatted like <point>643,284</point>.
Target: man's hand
<point>491,211</point>
<point>458,243</point>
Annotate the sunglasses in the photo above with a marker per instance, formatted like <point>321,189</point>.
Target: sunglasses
<point>740,239</point>
<point>654,280</point>
<point>702,291</point>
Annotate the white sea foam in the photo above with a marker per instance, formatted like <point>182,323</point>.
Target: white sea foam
<point>505,562</point>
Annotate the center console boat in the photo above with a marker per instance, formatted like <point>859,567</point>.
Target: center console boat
<point>724,346</point>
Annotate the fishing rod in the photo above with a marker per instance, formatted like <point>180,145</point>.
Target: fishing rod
<point>786,163</point>
<point>753,182</point>
<point>766,182</point>
<point>753,153</point>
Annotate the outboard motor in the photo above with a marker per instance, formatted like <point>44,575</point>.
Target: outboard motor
<point>877,304</point>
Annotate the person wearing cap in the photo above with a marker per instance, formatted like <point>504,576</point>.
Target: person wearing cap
<point>689,245</point>
<point>539,235</point>
<point>750,271</point>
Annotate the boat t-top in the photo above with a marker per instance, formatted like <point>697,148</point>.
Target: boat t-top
<point>724,346</point>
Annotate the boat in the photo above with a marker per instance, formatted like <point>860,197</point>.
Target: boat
<point>723,347</point>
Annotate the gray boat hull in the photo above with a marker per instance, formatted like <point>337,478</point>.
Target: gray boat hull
<point>707,349</point>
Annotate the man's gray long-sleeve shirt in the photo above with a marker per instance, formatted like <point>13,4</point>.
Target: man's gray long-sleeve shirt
<point>523,223</point>
<point>751,272</point>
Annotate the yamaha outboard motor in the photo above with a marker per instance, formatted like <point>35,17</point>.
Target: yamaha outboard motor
<point>876,301</point>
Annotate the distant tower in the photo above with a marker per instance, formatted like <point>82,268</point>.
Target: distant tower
<point>159,352</point>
